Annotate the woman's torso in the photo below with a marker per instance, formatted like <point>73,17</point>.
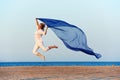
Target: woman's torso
<point>38,35</point>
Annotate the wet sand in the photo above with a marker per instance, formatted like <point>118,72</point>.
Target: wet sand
<point>60,73</point>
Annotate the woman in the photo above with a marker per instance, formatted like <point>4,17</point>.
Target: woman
<point>38,40</point>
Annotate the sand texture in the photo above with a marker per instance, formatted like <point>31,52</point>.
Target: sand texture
<point>60,73</point>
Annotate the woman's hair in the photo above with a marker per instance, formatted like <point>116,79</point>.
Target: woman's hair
<point>42,25</point>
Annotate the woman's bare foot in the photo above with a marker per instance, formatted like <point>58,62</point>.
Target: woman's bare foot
<point>54,46</point>
<point>41,56</point>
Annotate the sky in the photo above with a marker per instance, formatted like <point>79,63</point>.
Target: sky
<point>99,19</point>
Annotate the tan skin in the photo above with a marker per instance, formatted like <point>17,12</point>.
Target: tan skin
<point>41,26</point>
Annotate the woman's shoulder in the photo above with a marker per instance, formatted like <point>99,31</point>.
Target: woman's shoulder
<point>40,30</point>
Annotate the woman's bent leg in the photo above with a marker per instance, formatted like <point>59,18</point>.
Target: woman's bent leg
<point>36,47</point>
<point>41,45</point>
<point>46,48</point>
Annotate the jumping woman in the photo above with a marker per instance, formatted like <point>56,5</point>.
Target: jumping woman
<point>41,30</point>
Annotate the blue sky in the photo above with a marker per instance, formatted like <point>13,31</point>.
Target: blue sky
<point>99,19</point>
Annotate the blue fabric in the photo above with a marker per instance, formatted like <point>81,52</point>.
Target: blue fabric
<point>72,36</point>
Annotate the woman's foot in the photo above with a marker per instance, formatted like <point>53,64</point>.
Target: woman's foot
<point>41,56</point>
<point>54,46</point>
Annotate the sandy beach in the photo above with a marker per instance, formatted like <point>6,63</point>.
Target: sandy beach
<point>60,73</point>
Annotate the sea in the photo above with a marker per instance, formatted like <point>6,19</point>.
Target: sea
<point>8,64</point>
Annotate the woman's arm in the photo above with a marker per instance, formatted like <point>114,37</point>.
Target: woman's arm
<point>45,31</point>
<point>37,23</point>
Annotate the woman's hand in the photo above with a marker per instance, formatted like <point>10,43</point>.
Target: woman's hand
<point>46,27</point>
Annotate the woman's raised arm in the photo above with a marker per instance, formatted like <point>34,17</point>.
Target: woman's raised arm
<point>37,23</point>
<point>45,31</point>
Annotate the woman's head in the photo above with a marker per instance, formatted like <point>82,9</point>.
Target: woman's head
<point>41,26</point>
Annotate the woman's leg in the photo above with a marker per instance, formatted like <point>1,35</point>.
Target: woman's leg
<point>36,47</point>
<point>41,45</point>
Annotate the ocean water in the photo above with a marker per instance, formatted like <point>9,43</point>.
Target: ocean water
<point>5,64</point>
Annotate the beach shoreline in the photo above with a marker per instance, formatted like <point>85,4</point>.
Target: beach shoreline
<point>60,73</point>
